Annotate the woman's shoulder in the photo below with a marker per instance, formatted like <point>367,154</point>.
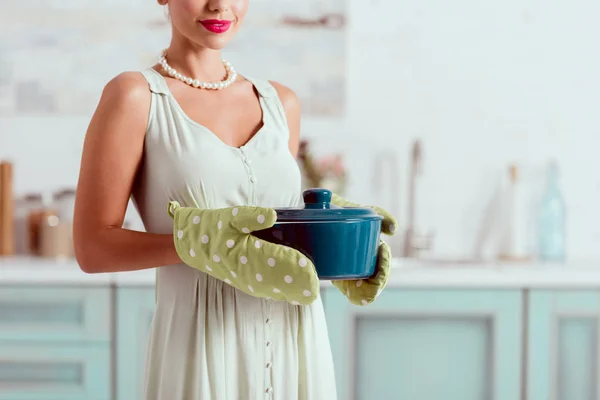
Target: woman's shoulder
<point>288,97</point>
<point>126,91</point>
<point>128,86</point>
<point>125,102</point>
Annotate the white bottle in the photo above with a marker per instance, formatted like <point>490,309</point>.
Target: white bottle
<point>514,236</point>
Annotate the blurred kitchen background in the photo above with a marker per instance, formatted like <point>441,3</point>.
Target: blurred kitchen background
<point>475,123</point>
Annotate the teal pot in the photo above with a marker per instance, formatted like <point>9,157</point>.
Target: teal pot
<point>342,242</point>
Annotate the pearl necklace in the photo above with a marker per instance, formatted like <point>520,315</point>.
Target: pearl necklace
<point>231,75</point>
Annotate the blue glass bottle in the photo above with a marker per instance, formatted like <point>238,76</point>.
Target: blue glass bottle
<point>552,220</point>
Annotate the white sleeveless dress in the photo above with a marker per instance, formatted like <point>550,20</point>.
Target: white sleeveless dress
<point>208,340</point>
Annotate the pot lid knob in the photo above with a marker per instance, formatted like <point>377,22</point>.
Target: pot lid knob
<point>317,198</point>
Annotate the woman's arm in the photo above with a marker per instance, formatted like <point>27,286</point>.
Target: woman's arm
<point>112,153</point>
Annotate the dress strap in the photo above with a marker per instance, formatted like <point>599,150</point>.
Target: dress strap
<point>264,88</point>
<point>156,81</point>
<point>271,102</point>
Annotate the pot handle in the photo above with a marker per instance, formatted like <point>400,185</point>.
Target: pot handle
<point>317,198</point>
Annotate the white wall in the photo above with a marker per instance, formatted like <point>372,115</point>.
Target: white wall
<point>482,84</point>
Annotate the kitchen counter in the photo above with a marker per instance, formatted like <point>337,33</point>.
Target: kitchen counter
<point>34,270</point>
<point>406,273</point>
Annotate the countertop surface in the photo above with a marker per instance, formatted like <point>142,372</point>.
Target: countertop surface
<point>405,273</point>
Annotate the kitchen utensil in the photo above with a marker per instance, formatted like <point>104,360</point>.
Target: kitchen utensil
<point>7,224</point>
<point>342,242</point>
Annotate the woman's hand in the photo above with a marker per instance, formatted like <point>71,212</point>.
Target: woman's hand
<point>364,291</point>
<point>220,243</point>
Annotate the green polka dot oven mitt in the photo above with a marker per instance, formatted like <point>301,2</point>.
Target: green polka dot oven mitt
<point>219,242</point>
<point>364,291</point>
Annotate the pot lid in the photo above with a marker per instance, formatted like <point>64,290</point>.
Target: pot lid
<point>318,207</point>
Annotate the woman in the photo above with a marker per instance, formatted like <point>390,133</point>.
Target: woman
<point>191,131</point>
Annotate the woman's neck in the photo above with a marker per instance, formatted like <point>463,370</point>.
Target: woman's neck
<point>195,61</point>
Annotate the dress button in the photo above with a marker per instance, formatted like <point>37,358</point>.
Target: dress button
<point>268,343</point>
<point>252,179</point>
<point>267,321</point>
<point>268,365</point>
<point>269,390</point>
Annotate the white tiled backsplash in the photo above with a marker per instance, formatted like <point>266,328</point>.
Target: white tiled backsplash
<point>482,83</point>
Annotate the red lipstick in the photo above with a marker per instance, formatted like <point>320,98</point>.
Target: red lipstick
<point>216,25</point>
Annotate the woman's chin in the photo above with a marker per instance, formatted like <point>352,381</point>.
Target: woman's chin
<point>214,42</point>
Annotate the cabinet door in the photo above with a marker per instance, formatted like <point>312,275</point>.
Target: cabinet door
<point>135,309</point>
<point>427,345</point>
<point>563,343</point>
<point>55,314</point>
<point>54,372</point>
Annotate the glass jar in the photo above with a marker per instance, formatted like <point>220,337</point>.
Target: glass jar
<point>39,209</point>
<point>57,228</point>
<point>64,201</point>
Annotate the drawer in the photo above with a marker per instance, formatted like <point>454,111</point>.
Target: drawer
<point>55,314</point>
<point>55,372</point>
